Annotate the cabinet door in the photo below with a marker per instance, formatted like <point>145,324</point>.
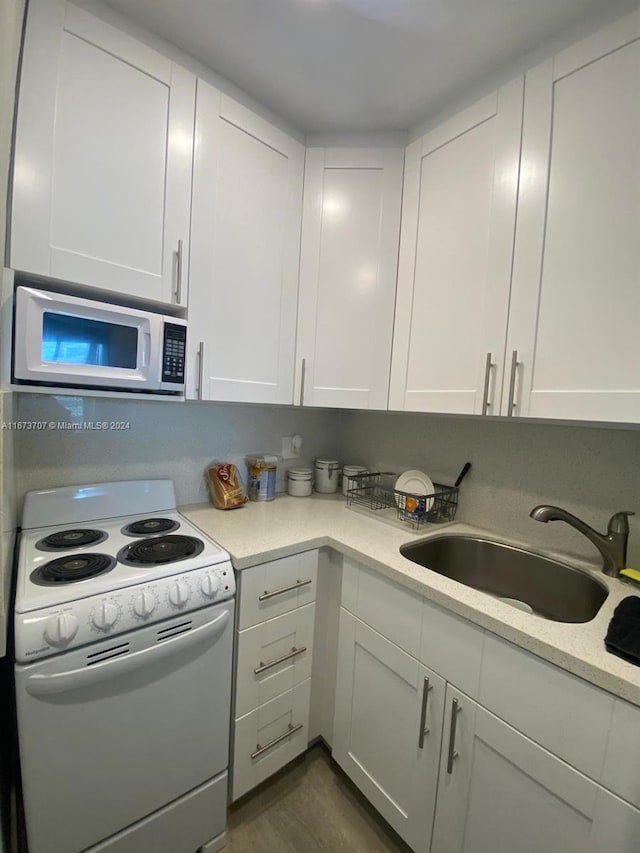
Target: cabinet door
<point>348,265</point>
<point>387,728</point>
<point>498,791</point>
<point>456,248</point>
<point>575,309</point>
<point>104,141</point>
<point>245,244</point>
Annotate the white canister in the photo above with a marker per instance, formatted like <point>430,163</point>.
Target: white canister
<point>348,472</point>
<point>299,482</point>
<point>327,472</point>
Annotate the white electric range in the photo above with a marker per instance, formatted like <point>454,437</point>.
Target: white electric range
<point>123,634</point>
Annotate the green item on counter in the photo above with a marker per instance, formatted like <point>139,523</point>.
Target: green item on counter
<point>630,574</point>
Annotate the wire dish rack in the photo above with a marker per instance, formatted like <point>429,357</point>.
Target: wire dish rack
<point>376,491</point>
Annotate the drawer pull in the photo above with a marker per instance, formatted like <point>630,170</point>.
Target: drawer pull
<point>264,666</point>
<point>424,730</point>
<point>455,710</point>
<point>284,589</point>
<point>262,749</point>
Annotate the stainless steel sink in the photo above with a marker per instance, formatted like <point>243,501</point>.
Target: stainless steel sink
<point>551,589</point>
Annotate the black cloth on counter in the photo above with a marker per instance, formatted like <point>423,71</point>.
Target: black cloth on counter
<point>623,635</point>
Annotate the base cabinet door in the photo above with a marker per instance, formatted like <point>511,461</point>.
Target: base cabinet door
<point>103,157</point>
<point>387,729</point>
<point>245,247</point>
<point>499,791</point>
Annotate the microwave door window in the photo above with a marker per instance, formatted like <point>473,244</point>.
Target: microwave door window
<point>79,340</point>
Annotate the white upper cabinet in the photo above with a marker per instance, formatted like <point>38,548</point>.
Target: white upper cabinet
<point>103,157</point>
<point>456,248</point>
<point>245,245</point>
<point>349,257</point>
<point>575,312</point>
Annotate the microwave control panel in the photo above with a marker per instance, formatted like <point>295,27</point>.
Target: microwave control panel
<point>173,360</point>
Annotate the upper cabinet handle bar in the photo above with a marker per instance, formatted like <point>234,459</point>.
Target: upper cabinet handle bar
<point>179,273</point>
<point>266,594</point>
<point>200,370</point>
<point>303,371</point>
<point>487,377</point>
<point>512,383</point>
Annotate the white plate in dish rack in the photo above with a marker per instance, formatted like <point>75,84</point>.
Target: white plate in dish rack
<point>415,483</point>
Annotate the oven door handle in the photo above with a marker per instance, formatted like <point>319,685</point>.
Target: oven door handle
<point>40,684</point>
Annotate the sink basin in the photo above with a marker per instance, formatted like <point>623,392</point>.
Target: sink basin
<point>551,589</point>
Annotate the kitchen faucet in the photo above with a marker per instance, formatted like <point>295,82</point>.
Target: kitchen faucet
<point>612,545</point>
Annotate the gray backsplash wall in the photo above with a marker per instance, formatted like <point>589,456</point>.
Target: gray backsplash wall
<point>592,472</point>
<point>175,440</point>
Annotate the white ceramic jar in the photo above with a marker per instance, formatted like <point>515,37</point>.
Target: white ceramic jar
<point>348,472</point>
<point>327,472</point>
<point>299,482</point>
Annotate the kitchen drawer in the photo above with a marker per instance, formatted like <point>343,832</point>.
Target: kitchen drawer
<point>392,610</point>
<point>262,743</point>
<point>273,657</point>
<point>561,712</point>
<point>452,647</point>
<point>621,772</point>
<point>276,587</point>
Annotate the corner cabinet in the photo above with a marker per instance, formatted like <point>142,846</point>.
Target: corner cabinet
<point>348,265</point>
<point>575,305</point>
<point>467,744</point>
<point>498,790</point>
<point>103,156</point>
<point>388,731</point>
<point>456,248</point>
<point>245,244</point>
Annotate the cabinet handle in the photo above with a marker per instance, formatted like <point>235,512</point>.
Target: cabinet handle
<point>302,379</point>
<point>451,757</point>
<point>265,666</point>
<point>262,749</point>
<point>424,731</point>
<point>512,383</point>
<point>200,369</point>
<point>487,377</point>
<point>284,589</point>
<point>179,273</point>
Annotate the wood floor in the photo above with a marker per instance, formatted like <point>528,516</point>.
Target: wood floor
<point>309,806</point>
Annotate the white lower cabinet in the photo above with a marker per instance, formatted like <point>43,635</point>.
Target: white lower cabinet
<point>500,791</point>
<point>388,728</point>
<point>546,762</point>
<point>272,657</point>
<point>274,653</point>
<point>269,737</point>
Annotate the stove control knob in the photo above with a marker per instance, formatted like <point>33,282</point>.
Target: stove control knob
<point>105,616</point>
<point>179,594</point>
<point>144,604</point>
<point>210,586</point>
<point>61,629</point>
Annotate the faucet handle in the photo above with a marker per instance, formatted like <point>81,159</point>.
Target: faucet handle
<point>619,523</point>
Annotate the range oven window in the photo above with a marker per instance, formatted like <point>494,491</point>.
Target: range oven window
<point>78,340</point>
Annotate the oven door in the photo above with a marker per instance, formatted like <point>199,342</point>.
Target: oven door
<point>114,731</point>
<point>68,340</point>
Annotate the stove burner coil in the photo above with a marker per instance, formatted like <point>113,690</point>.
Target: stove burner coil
<point>78,538</point>
<point>149,526</point>
<point>72,568</point>
<point>159,550</point>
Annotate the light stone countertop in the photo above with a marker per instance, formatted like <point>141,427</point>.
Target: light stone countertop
<point>267,531</point>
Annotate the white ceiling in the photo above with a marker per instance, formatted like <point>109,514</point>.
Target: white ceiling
<point>358,65</point>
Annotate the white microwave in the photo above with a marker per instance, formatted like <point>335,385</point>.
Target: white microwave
<point>68,341</point>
